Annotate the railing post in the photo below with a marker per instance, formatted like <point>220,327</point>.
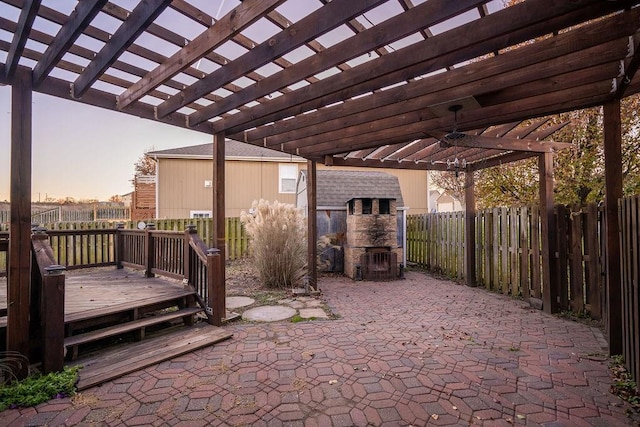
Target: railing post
<point>53,318</point>
<point>216,289</point>
<point>149,250</point>
<point>119,245</point>
<point>37,233</point>
<point>186,258</point>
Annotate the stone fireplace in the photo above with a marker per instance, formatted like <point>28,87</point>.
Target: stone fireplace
<point>371,250</point>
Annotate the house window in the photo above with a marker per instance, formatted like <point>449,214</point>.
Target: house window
<point>384,206</point>
<point>200,214</point>
<point>352,204</point>
<point>367,206</point>
<point>288,177</point>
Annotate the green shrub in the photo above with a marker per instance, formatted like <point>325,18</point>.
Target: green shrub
<point>38,388</point>
<point>278,236</point>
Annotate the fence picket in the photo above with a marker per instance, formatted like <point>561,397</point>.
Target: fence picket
<point>576,261</point>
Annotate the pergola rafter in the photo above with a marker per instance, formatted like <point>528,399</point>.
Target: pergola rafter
<point>353,83</point>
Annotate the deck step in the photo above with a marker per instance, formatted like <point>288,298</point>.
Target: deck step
<point>125,307</point>
<point>135,325</point>
<point>107,365</point>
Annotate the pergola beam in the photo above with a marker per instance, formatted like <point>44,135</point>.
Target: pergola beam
<point>228,26</point>
<point>427,14</point>
<point>468,80</point>
<point>508,87</point>
<point>502,143</point>
<point>308,28</point>
<point>78,21</point>
<point>21,35</point>
<point>499,30</point>
<point>141,17</point>
<point>557,102</point>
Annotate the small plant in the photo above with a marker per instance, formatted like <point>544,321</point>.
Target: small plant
<point>297,319</point>
<point>38,388</point>
<point>514,349</point>
<point>278,242</point>
<point>623,385</point>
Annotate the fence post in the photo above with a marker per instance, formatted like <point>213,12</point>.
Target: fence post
<point>53,318</point>
<point>186,257</point>
<point>216,290</point>
<point>119,245</point>
<point>149,250</point>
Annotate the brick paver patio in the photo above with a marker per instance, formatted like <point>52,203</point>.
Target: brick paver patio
<point>416,352</point>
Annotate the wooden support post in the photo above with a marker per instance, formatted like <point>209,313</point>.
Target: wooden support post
<point>613,192</point>
<point>53,319</point>
<point>312,229</point>
<point>217,295</point>
<point>550,293</point>
<point>149,250</point>
<point>470,228</point>
<point>119,245</point>
<point>216,303</point>
<point>19,269</point>
<point>186,257</point>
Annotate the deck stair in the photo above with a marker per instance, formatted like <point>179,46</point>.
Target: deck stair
<point>95,327</point>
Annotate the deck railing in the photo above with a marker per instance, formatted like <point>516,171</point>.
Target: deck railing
<point>178,255</point>
<point>83,248</point>
<point>174,254</point>
<point>47,303</point>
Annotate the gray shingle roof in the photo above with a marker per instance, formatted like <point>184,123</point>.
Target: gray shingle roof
<point>337,187</point>
<point>232,149</point>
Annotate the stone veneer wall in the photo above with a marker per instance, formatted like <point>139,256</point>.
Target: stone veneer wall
<point>369,231</point>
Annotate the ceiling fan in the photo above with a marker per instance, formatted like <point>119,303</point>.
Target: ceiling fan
<point>457,139</point>
<point>450,139</point>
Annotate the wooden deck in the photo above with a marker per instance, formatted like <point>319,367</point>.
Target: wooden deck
<point>96,294</point>
<point>100,288</point>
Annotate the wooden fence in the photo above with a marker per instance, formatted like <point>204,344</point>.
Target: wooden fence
<point>65,214</point>
<point>629,211</point>
<point>237,239</point>
<point>508,252</point>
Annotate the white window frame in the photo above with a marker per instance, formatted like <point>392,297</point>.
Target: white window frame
<point>287,171</point>
<point>200,214</point>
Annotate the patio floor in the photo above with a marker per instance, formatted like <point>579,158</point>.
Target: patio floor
<point>414,352</point>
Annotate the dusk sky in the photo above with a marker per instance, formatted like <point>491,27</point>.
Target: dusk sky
<point>82,151</point>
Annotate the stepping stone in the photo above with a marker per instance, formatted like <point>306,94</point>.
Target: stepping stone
<point>237,302</point>
<point>313,303</point>
<point>296,304</point>
<point>308,313</point>
<point>268,313</point>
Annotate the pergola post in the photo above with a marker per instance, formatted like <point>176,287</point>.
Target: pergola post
<point>550,291</point>
<point>613,192</point>
<point>19,269</point>
<point>218,300</point>
<point>470,228</point>
<point>312,229</point>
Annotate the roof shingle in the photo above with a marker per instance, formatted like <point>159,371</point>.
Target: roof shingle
<point>232,148</point>
<point>337,187</point>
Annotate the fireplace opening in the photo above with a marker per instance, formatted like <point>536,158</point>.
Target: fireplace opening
<point>379,263</point>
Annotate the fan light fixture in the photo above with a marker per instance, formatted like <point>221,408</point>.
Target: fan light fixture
<point>451,139</point>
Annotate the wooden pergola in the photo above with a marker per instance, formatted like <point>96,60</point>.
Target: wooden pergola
<point>342,82</point>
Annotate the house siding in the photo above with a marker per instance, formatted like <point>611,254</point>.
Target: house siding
<point>181,186</point>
